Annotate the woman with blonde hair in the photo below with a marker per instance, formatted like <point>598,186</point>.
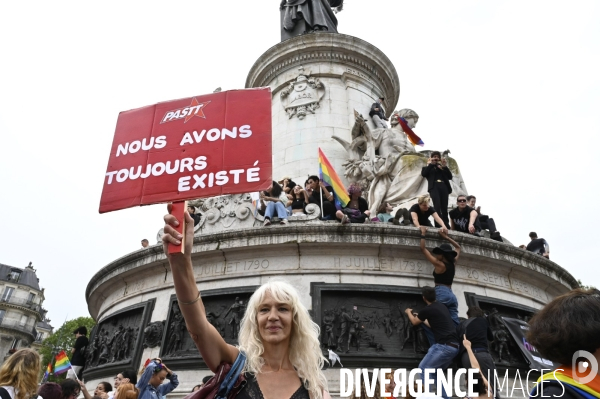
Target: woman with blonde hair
<point>277,334</point>
<point>19,374</point>
<point>421,211</point>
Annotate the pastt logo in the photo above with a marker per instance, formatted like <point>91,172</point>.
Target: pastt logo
<point>195,109</point>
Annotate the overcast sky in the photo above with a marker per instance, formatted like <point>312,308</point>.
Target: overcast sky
<point>512,88</point>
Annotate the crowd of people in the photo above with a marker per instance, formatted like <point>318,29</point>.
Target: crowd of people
<point>280,345</point>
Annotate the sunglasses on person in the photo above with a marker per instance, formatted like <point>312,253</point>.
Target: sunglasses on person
<point>461,200</point>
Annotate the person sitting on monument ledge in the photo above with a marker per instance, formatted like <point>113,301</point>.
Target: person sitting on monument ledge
<point>377,114</point>
<point>322,194</point>
<point>484,221</point>
<point>277,202</point>
<point>357,210</point>
<point>194,215</point>
<point>538,245</point>
<point>299,201</point>
<point>464,218</point>
<point>421,211</point>
<point>384,213</point>
<point>277,335</point>
<point>438,177</point>
<point>443,259</point>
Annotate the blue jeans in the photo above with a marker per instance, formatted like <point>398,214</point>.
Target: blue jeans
<point>278,207</point>
<point>438,357</point>
<point>444,295</point>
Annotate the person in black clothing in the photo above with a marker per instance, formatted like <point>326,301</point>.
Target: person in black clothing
<point>440,354</point>
<point>377,114</point>
<point>194,215</point>
<point>299,200</point>
<point>78,351</point>
<point>421,211</point>
<point>357,210</point>
<point>477,330</point>
<point>484,221</point>
<point>438,177</point>
<point>443,259</point>
<point>538,245</point>
<point>319,188</point>
<point>463,218</point>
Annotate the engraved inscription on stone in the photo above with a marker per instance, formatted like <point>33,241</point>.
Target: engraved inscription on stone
<point>234,267</point>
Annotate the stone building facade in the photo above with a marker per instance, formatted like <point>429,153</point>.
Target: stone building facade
<point>23,320</point>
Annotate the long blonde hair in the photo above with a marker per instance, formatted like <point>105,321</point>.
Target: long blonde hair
<point>127,391</point>
<point>305,349</point>
<point>21,371</point>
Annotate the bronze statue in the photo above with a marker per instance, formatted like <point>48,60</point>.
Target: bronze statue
<point>305,16</point>
<point>237,310</point>
<point>328,324</point>
<point>500,343</point>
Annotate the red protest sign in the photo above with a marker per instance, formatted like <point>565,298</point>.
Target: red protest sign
<point>195,147</point>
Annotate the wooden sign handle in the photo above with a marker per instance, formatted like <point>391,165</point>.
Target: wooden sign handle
<point>178,210</point>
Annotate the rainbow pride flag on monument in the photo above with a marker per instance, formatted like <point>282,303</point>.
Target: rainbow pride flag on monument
<point>62,363</point>
<point>328,175</point>
<point>412,137</point>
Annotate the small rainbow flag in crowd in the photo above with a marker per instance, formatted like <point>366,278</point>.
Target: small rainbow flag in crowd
<point>412,137</point>
<point>328,175</point>
<point>48,371</point>
<point>62,363</point>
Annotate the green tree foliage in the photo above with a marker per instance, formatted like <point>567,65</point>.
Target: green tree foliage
<point>585,287</point>
<point>62,339</point>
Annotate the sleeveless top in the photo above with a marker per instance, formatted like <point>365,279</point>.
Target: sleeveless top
<point>447,277</point>
<point>298,204</point>
<point>252,391</point>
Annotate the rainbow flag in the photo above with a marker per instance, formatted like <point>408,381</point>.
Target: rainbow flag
<point>48,371</point>
<point>62,363</point>
<point>412,137</point>
<point>328,175</point>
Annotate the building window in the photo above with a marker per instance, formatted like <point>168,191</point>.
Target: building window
<point>14,275</point>
<point>31,298</point>
<point>15,343</point>
<point>2,313</point>
<point>39,337</point>
<point>7,293</point>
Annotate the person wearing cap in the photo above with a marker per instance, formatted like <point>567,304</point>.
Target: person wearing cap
<point>78,351</point>
<point>377,114</point>
<point>442,352</point>
<point>443,259</point>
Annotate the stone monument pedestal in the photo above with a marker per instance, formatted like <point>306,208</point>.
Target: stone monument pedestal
<point>352,74</point>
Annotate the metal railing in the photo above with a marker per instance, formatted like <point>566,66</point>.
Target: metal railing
<point>21,302</point>
<point>16,325</point>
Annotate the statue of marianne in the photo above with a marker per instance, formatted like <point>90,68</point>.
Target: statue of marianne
<point>313,15</point>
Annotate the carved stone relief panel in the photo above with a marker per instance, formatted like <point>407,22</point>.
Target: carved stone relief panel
<point>366,324</point>
<point>224,310</point>
<point>302,95</point>
<point>116,341</point>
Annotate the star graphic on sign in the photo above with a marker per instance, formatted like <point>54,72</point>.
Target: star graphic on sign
<point>199,112</point>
